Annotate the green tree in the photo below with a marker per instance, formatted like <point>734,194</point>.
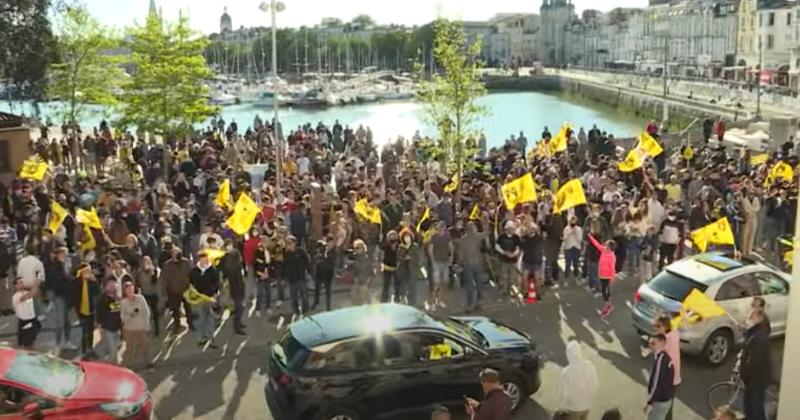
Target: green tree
<point>450,96</point>
<point>87,72</point>
<point>26,46</point>
<point>167,92</point>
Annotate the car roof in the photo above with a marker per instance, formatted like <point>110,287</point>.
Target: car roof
<point>707,268</point>
<point>359,321</point>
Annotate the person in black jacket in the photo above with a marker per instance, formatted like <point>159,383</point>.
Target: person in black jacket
<point>232,266</point>
<point>756,361</point>
<point>107,316</point>
<point>84,292</point>
<point>205,279</point>
<point>660,388</point>
<point>55,285</point>
<point>296,265</point>
<point>325,263</point>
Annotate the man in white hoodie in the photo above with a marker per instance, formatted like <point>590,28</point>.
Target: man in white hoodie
<point>578,384</point>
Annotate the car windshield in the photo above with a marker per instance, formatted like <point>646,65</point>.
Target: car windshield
<point>465,331</point>
<point>53,376</point>
<point>289,352</point>
<point>673,286</point>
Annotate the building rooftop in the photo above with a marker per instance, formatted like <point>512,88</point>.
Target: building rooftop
<point>10,120</point>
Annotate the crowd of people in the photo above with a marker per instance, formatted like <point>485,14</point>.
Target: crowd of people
<point>145,245</point>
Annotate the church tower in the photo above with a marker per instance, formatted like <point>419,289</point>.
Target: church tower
<point>225,23</point>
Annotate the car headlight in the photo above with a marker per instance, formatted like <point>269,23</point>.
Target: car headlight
<point>123,409</point>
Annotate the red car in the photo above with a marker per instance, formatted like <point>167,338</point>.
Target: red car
<point>38,386</point>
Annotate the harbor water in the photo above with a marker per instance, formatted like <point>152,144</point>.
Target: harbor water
<point>508,113</point>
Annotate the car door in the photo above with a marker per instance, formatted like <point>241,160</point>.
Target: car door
<point>775,291</point>
<point>409,381</point>
<point>14,399</point>
<point>454,368</point>
<point>735,296</point>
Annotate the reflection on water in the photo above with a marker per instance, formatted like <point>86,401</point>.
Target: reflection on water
<point>508,113</point>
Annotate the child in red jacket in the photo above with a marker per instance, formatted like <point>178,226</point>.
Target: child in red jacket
<point>606,271</point>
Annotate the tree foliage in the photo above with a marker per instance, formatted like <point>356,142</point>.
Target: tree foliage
<point>450,96</point>
<point>87,71</point>
<point>26,46</point>
<point>167,91</point>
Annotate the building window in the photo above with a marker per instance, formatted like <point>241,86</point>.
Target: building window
<point>5,163</point>
<point>770,42</point>
<point>771,19</point>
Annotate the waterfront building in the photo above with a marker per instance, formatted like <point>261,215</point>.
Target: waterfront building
<point>557,17</point>
<point>769,38</point>
<point>519,31</point>
<point>225,23</point>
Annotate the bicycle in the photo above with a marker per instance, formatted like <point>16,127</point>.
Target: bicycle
<point>728,393</point>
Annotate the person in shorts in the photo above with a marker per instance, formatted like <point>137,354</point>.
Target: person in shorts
<point>441,252</point>
<point>508,249</point>
<point>27,324</point>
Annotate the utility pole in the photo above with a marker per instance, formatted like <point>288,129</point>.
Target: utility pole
<point>760,71</point>
<point>665,114</point>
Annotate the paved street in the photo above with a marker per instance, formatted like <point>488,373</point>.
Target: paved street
<point>228,383</point>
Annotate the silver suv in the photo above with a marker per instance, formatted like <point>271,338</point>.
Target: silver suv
<point>732,283</point>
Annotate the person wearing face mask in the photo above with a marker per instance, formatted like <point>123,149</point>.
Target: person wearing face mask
<point>205,279</point>
<point>756,360</point>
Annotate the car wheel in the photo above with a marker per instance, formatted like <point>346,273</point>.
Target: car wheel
<point>516,390</point>
<point>339,413</point>
<point>718,347</point>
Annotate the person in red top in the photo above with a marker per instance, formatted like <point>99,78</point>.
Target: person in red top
<point>652,128</point>
<point>720,130</point>
<point>249,255</point>
<point>606,271</point>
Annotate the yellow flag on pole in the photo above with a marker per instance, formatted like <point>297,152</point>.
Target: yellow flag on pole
<point>452,185</point>
<point>780,170</point>
<point>426,215</point>
<point>518,191</point>
<point>632,162</point>
<point>371,213</point>
<point>697,306</point>
<point>559,142</point>
<point>57,216</point>
<point>244,214</point>
<point>475,214</point>
<point>88,243</point>
<point>223,198</point>
<point>649,144</point>
<point>33,168</point>
<point>89,218</point>
<point>214,255</point>
<point>193,297</point>
<point>759,159</point>
<point>719,233</point>
<point>569,195</point>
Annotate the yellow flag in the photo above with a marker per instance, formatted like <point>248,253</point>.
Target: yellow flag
<point>223,198</point>
<point>89,218</point>
<point>688,153</point>
<point>780,170</point>
<point>759,159</point>
<point>697,306</point>
<point>214,255</point>
<point>559,142</point>
<point>371,213</point>
<point>425,216</point>
<point>33,168</point>
<point>632,162</point>
<point>452,185</point>
<point>518,191</point>
<point>88,243</point>
<point>719,233</point>
<point>542,149</point>
<point>196,298</point>
<point>649,145</point>
<point>57,216</point>
<point>244,214</point>
<point>475,214</point>
<point>568,196</point>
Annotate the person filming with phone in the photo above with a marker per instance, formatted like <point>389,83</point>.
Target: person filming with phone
<point>496,405</point>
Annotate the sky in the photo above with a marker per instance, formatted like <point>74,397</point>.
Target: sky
<point>204,15</point>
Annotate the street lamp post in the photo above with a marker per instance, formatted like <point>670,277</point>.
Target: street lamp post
<point>760,72</point>
<point>274,7</point>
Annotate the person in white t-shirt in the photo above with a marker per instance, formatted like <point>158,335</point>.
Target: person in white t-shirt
<point>27,324</point>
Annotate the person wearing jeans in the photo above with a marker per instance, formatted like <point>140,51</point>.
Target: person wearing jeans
<point>325,266</point>
<point>660,387</point>
<point>84,293</point>
<point>471,256</point>
<point>296,266</point>
<point>56,284</point>
<point>261,266</point>
<point>205,279</point>
<point>110,321</point>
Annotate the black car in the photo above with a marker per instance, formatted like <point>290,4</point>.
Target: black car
<point>388,360</point>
